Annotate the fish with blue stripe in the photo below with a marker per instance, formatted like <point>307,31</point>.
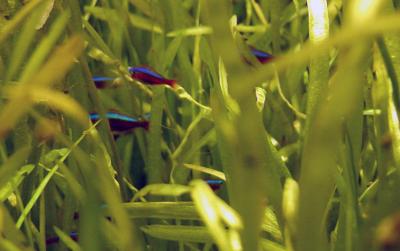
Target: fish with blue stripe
<point>121,123</point>
<point>150,77</point>
<point>262,56</point>
<point>56,239</point>
<point>215,184</point>
<point>102,82</point>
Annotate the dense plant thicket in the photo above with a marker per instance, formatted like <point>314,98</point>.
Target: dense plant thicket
<point>232,125</point>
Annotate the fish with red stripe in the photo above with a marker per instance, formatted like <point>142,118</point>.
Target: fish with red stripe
<point>215,184</point>
<point>56,239</point>
<point>262,56</point>
<point>102,82</point>
<point>150,77</point>
<point>121,123</point>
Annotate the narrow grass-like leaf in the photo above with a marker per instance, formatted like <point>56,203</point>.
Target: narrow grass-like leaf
<point>74,185</point>
<point>268,245</point>
<point>319,73</point>
<point>155,165</point>
<point>162,210</point>
<point>45,46</point>
<point>183,94</point>
<point>12,238</point>
<point>185,142</point>
<point>259,12</point>
<point>392,63</point>
<point>171,52</point>
<point>271,225</point>
<point>105,14</point>
<point>178,233</point>
<point>343,101</point>
<point>53,70</point>
<point>206,170</point>
<point>214,212</point>
<point>39,190</point>
<point>21,15</point>
<point>45,14</point>
<point>22,45</point>
<point>391,72</point>
<point>35,196</point>
<point>9,168</point>
<point>99,42</point>
<point>319,67</point>
<point>242,135</point>
<point>61,102</point>
<point>144,23</point>
<point>162,189</point>
<point>59,62</point>
<point>380,98</point>
<point>7,189</point>
<point>192,31</point>
<point>345,36</point>
<point>67,240</point>
<point>143,6</point>
<point>110,193</point>
<point>230,103</point>
<point>276,13</point>
<point>290,203</point>
<point>252,28</point>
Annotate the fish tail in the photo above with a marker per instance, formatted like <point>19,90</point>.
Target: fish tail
<point>146,125</point>
<point>171,82</point>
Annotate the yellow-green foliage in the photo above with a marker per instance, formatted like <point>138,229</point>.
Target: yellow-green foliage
<point>307,145</point>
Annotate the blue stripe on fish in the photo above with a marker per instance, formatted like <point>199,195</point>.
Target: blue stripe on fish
<point>56,239</point>
<point>100,78</point>
<point>215,182</point>
<point>259,53</point>
<point>145,71</point>
<point>113,115</point>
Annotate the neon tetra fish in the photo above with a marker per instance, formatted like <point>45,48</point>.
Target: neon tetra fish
<point>120,123</point>
<point>102,82</point>
<point>55,240</point>
<point>262,56</point>
<point>147,76</point>
<point>215,184</point>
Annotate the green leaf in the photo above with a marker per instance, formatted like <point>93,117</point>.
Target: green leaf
<point>39,190</point>
<point>178,233</point>
<point>10,167</point>
<point>105,14</point>
<point>144,23</point>
<point>11,239</point>
<point>23,44</point>
<point>192,31</point>
<point>53,70</point>
<point>53,156</point>
<point>47,43</point>
<point>162,210</point>
<point>45,14</point>
<point>251,28</point>
<point>270,224</point>
<point>155,165</point>
<point>10,27</point>
<point>162,190</point>
<point>67,240</point>
<point>171,52</point>
<point>7,189</point>
<point>268,245</point>
<point>206,170</point>
<point>215,213</point>
<point>290,203</point>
